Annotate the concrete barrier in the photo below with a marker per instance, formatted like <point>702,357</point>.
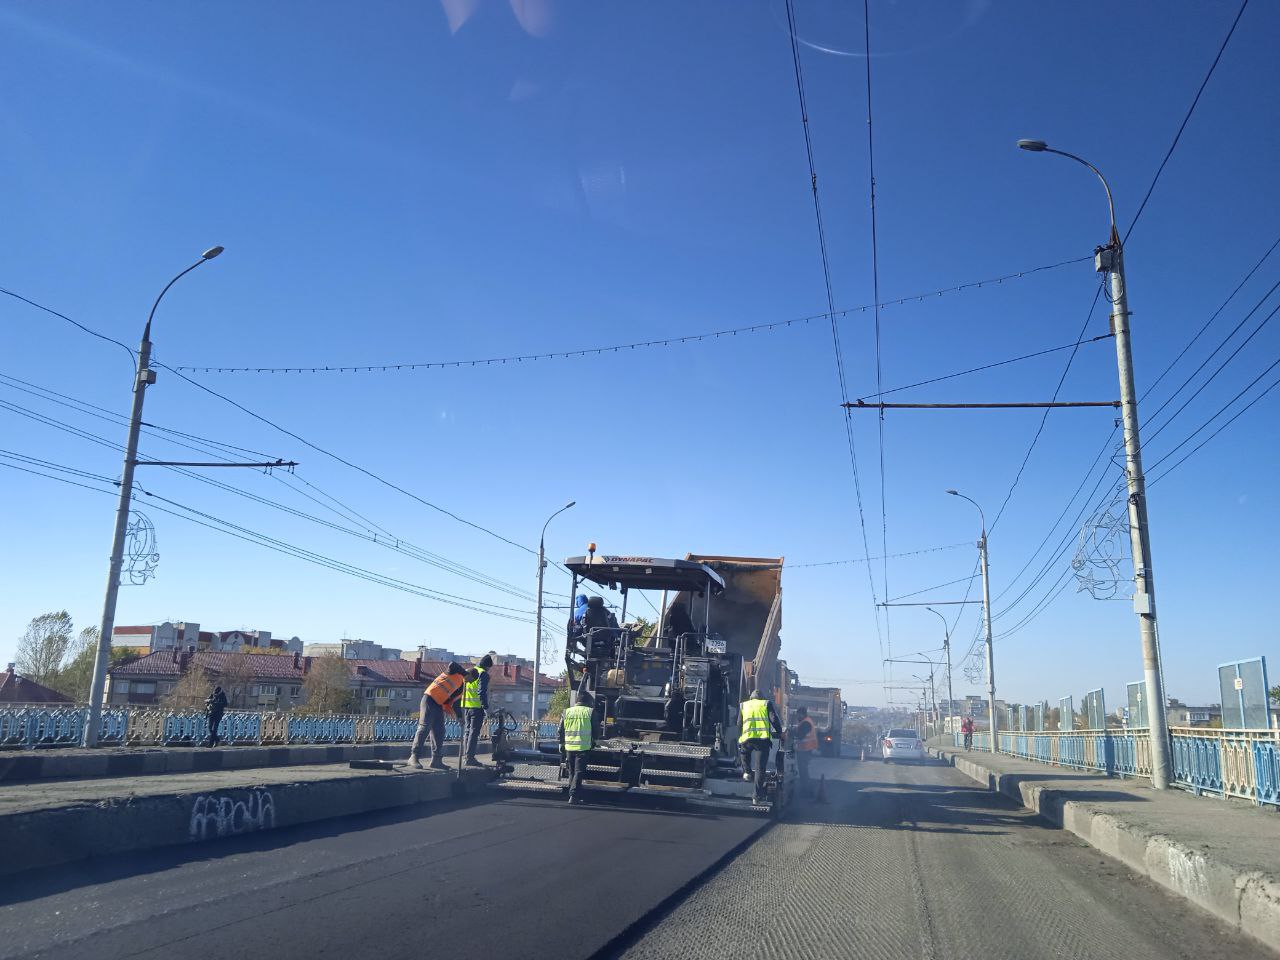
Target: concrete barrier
<point>25,766</point>
<point>1247,899</point>
<point>195,809</point>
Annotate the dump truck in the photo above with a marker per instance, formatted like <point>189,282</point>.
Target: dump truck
<point>826,710</point>
<point>667,693</point>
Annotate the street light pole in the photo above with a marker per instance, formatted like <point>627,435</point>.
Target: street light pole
<point>145,376</point>
<point>986,613</point>
<point>537,643</point>
<point>946,645</point>
<point>1110,260</point>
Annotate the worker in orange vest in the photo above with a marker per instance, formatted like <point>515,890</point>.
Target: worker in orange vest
<point>806,746</point>
<point>437,700</point>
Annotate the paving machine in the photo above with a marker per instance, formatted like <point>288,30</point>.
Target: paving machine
<point>667,692</point>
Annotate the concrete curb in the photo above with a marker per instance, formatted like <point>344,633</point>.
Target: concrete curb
<point>141,761</point>
<point>1248,900</point>
<point>126,824</point>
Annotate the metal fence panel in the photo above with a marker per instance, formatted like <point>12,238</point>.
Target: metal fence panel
<point>1095,710</point>
<point>1066,713</point>
<point>1137,693</point>
<point>1244,694</point>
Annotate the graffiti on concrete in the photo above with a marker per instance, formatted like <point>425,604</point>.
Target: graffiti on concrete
<point>226,815</point>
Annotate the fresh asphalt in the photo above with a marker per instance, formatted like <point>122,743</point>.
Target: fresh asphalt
<point>901,862</point>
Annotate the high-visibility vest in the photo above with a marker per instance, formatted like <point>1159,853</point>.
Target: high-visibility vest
<point>755,720</point>
<point>443,687</point>
<point>577,729</point>
<point>810,741</point>
<point>471,694</point>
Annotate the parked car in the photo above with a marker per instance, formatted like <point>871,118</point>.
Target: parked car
<point>902,745</point>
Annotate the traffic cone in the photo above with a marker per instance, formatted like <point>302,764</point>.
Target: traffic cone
<point>822,789</point>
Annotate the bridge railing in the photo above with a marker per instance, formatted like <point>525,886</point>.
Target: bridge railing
<point>1223,763</point>
<point>43,726</point>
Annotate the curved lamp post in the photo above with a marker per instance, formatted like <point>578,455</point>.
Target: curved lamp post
<point>537,646</point>
<point>986,613</point>
<point>1110,260</point>
<point>145,377</point>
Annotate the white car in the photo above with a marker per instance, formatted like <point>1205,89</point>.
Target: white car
<point>902,745</point>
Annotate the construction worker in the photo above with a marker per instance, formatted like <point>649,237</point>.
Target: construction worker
<point>475,706</point>
<point>579,729</point>
<point>437,700</point>
<point>806,740</point>
<point>760,727</point>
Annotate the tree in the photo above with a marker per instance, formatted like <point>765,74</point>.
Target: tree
<point>558,702</point>
<point>76,677</point>
<point>191,690</point>
<point>327,686</point>
<point>1274,694</point>
<point>236,679</point>
<point>43,646</point>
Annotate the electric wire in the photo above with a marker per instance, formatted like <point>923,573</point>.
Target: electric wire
<point>1186,119</point>
<point>620,347</point>
<point>835,327</point>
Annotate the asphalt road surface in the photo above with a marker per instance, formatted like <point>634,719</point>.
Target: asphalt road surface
<point>914,861</point>
<point>902,862</point>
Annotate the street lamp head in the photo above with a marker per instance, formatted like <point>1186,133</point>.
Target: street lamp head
<point>954,493</point>
<point>211,253</point>
<point>1035,146</point>
<point>570,504</point>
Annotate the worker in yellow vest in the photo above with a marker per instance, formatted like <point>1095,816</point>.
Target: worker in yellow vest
<point>579,731</point>
<point>806,741</point>
<point>475,706</point>
<point>437,700</point>
<point>760,727</point>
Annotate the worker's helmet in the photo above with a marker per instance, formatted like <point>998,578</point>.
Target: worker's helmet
<point>455,667</point>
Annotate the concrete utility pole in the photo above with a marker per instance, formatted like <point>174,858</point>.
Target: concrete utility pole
<point>537,643</point>
<point>946,645</point>
<point>1110,260</point>
<point>145,376</point>
<point>986,614</point>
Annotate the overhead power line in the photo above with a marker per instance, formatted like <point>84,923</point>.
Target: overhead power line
<point>1185,120</point>
<point>407,366</point>
<point>260,539</point>
<point>893,556</point>
<point>875,287</point>
<point>835,326</point>
<point>75,323</point>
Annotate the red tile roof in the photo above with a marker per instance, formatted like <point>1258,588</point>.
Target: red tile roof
<point>18,689</point>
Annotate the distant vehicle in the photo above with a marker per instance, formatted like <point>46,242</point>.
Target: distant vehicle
<point>902,744</point>
<point>826,710</point>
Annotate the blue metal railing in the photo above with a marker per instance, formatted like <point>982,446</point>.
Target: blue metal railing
<point>39,725</point>
<point>1224,763</point>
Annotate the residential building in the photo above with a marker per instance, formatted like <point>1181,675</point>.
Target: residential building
<point>15,688</point>
<point>187,636</point>
<point>353,650</point>
<point>511,689</point>
<point>252,681</point>
<point>1180,714</point>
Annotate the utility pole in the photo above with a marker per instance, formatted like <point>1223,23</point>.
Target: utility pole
<point>144,377</point>
<point>1110,260</point>
<point>991,662</point>
<point>986,614</point>
<point>946,645</point>
<point>537,643</point>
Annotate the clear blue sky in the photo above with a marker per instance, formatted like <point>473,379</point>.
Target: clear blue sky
<point>414,182</point>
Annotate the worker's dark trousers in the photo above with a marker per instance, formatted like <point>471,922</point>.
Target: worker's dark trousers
<point>215,721</point>
<point>802,767</point>
<point>475,724</point>
<point>430,721</point>
<point>760,750</point>
<point>577,762</point>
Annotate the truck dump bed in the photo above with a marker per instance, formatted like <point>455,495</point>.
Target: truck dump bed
<point>748,615</point>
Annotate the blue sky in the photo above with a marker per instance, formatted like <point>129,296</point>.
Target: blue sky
<point>402,182</point>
